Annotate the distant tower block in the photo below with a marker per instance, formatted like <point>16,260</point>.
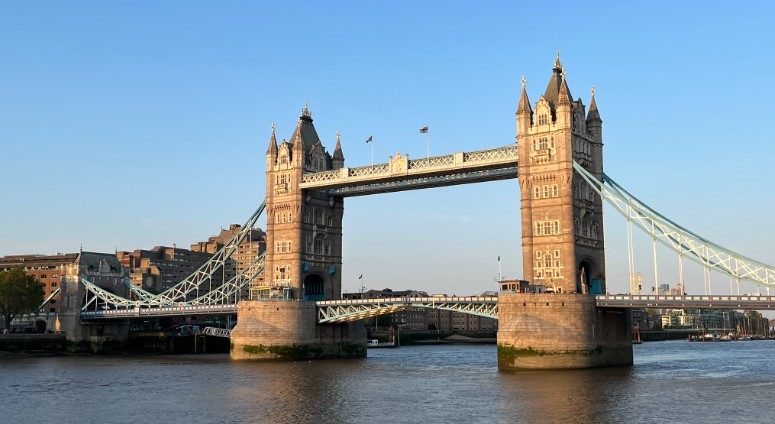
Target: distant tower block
<point>636,283</point>
<point>303,258</point>
<point>562,241</point>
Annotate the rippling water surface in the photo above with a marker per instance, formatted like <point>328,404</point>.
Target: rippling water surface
<point>671,381</point>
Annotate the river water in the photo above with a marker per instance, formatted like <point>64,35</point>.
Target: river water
<point>671,381</point>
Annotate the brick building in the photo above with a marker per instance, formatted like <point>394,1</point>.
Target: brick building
<point>162,267</point>
<point>253,245</point>
<point>102,269</point>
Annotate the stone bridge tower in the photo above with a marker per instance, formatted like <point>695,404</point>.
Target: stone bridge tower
<point>562,242</point>
<point>303,259</point>
<point>562,217</point>
<point>304,229</point>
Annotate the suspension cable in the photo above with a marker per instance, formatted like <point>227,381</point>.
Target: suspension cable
<point>630,253</point>
<point>654,246</point>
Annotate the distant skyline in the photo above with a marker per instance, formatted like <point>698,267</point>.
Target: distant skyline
<point>130,125</point>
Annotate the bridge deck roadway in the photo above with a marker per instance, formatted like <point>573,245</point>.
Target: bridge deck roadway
<point>399,175</point>
<point>161,311</point>
<point>355,309</point>
<point>685,301</point>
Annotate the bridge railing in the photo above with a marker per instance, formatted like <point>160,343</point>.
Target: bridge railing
<point>435,161</point>
<point>160,311</point>
<point>482,159</point>
<point>331,311</point>
<point>700,298</point>
<point>408,299</point>
<point>686,301</point>
<point>217,332</point>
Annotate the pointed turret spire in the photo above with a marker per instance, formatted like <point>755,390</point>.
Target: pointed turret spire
<point>305,113</point>
<point>272,150</point>
<point>338,148</point>
<point>593,115</point>
<point>553,89</point>
<point>337,162</point>
<point>524,102</point>
<point>563,96</point>
<point>557,64</point>
<point>297,136</point>
<point>304,134</point>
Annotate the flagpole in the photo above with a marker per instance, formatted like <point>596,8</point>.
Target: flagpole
<point>370,140</point>
<point>429,146</point>
<point>424,130</point>
<point>500,273</point>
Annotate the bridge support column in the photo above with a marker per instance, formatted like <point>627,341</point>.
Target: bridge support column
<point>87,336</point>
<point>271,330</point>
<point>560,331</point>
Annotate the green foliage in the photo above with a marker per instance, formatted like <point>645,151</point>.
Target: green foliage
<point>19,294</point>
<point>284,351</point>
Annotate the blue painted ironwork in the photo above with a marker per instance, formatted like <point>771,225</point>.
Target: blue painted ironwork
<point>98,300</point>
<point>331,311</point>
<point>404,174</point>
<point>417,183</point>
<point>181,291</point>
<point>216,332</point>
<point>105,312</point>
<point>685,301</point>
<point>676,237</point>
<point>48,299</point>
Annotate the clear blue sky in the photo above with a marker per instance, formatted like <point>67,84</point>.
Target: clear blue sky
<point>133,124</point>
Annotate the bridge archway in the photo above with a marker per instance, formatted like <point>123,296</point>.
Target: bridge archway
<point>588,281</point>
<point>313,287</point>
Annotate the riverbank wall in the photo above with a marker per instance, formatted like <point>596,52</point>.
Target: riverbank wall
<point>24,343</point>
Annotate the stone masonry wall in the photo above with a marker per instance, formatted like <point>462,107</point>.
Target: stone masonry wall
<point>288,330</point>
<point>560,331</point>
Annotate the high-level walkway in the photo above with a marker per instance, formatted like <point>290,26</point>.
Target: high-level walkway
<point>401,173</point>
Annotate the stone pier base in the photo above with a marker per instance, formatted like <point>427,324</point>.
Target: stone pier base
<point>560,331</point>
<point>288,330</point>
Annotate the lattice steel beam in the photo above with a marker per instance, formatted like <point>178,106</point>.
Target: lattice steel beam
<point>145,297</point>
<point>676,237</point>
<point>94,294</point>
<point>217,332</point>
<point>180,292</point>
<point>458,168</point>
<point>417,183</point>
<point>221,295</point>
<point>231,288</point>
<point>177,295</point>
<point>686,301</point>
<point>48,299</point>
<point>331,311</point>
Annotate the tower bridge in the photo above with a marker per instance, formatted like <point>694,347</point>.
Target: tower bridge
<point>559,164</point>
